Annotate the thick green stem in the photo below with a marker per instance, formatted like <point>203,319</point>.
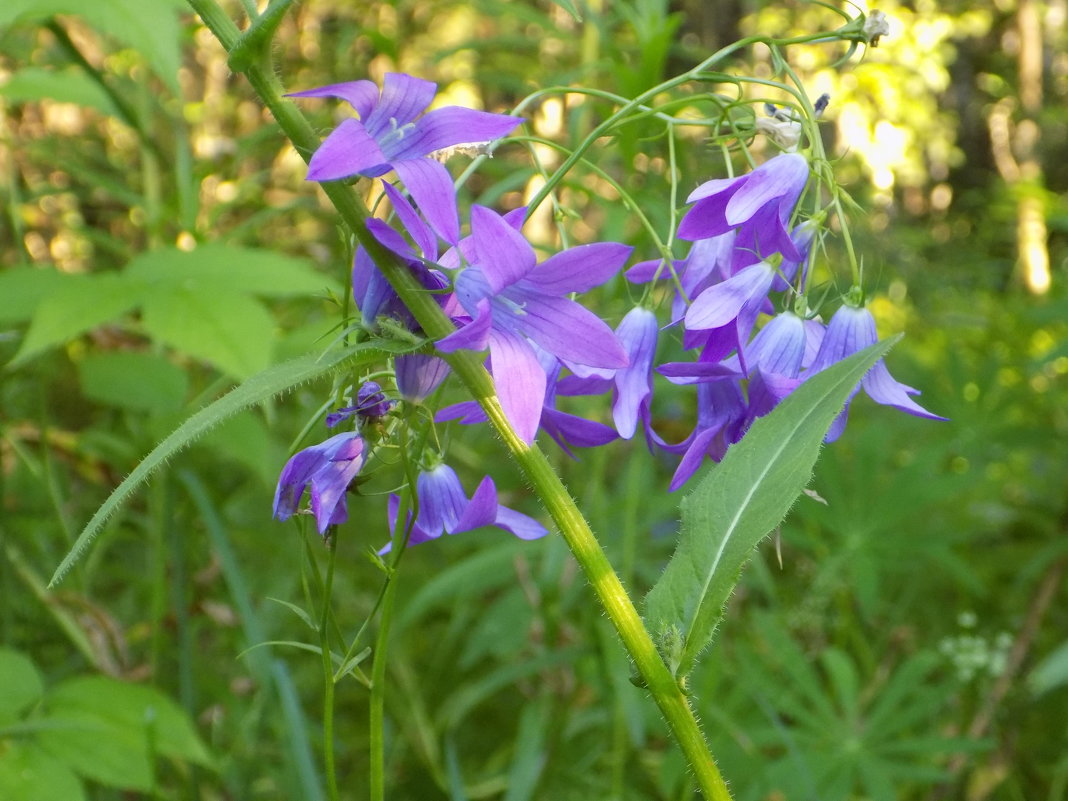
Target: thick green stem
<point>531,460</point>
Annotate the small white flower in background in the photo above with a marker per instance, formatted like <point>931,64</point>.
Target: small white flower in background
<point>783,126</point>
<point>876,26</point>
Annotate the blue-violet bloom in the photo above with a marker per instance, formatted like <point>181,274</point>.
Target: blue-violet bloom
<point>444,508</point>
<point>761,200</point>
<point>512,299</point>
<point>852,329</point>
<point>328,468</point>
<point>391,134</point>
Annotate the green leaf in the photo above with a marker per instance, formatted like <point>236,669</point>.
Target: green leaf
<point>22,685</point>
<point>132,380</point>
<point>151,27</point>
<point>272,381</point>
<point>64,86</point>
<point>78,304</point>
<point>23,289</point>
<point>30,774</point>
<point>1051,672</point>
<point>111,731</point>
<point>230,330</point>
<point>738,503</point>
<point>218,267</point>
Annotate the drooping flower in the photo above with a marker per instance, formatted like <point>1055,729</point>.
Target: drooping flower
<point>419,374</point>
<point>513,302</point>
<point>632,386</point>
<point>327,468</point>
<point>444,508</point>
<point>391,134</point>
<point>852,329</point>
<point>761,201</point>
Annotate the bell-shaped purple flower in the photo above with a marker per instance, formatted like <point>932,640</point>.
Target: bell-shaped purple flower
<point>516,303</point>
<point>419,374</point>
<point>327,468</point>
<point>760,201</point>
<point>444,508</point>
<point>852,329</point>
<point>632,386</point>
<point>393,133</point>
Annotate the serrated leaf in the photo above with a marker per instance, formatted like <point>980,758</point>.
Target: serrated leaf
<point>739,502</point>
<point>63,86</point>
<point>132,380</point>
<point>29,774</point>
<point>272,381</point>
<point>21,682</point>
<point>78,304</point>
<point>215,267</point>
<point>227,329</point>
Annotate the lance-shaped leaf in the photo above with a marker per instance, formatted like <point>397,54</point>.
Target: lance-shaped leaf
<point>738,503</point>
<point>273,381</point>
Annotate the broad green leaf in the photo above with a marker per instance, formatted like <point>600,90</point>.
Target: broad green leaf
<point>133,380</point>
<point>228,329</point>
<point>151,716</point>
<point>29,774</point>
<point>23,289</point>
<point>21,683</point>
<point>272,381</point>
<point>78,304</point>
<point>151,27</point>
<point>738,503</point>
<point>215,267</point>
<point>64,86</point>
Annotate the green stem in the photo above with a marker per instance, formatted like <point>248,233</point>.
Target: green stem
<point>328,671</point>
<point>469,369</point>
<point>378,695</point>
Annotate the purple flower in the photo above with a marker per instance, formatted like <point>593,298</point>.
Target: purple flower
<point>328,468</point>
<point>444,508</point>
<point>371,403</point>
<point>760,202</point>
<point>391,134</point>
<point>513,302</point>
<point>632,385</point>
<point>419,374</point>
<point>852,329</point>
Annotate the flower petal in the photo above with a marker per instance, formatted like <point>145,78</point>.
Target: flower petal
<point>638,333</point>
<point>520,382</point>
<point>430,185</point>
<point>784,177</point>
<point>412,222</point>
<point>580,268</point>
<point>441,499</point>
<point>721,303</point>
<point>454,125</point>
<point>348,150</point>
<point>404,97</point>
<point>361,95</point>
<point>519,524</point>
<point>502,253</point>
<point>480,511</point>
<point>564,328</point>
<point>882,388</point>
<point>473,336</point>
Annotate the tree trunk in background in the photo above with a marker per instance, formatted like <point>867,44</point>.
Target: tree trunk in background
<point>1032,253</point>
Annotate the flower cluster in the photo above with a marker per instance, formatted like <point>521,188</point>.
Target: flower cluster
<point>739,302</point>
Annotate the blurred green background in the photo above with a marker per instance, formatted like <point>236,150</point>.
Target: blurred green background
<point>905,635</point>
